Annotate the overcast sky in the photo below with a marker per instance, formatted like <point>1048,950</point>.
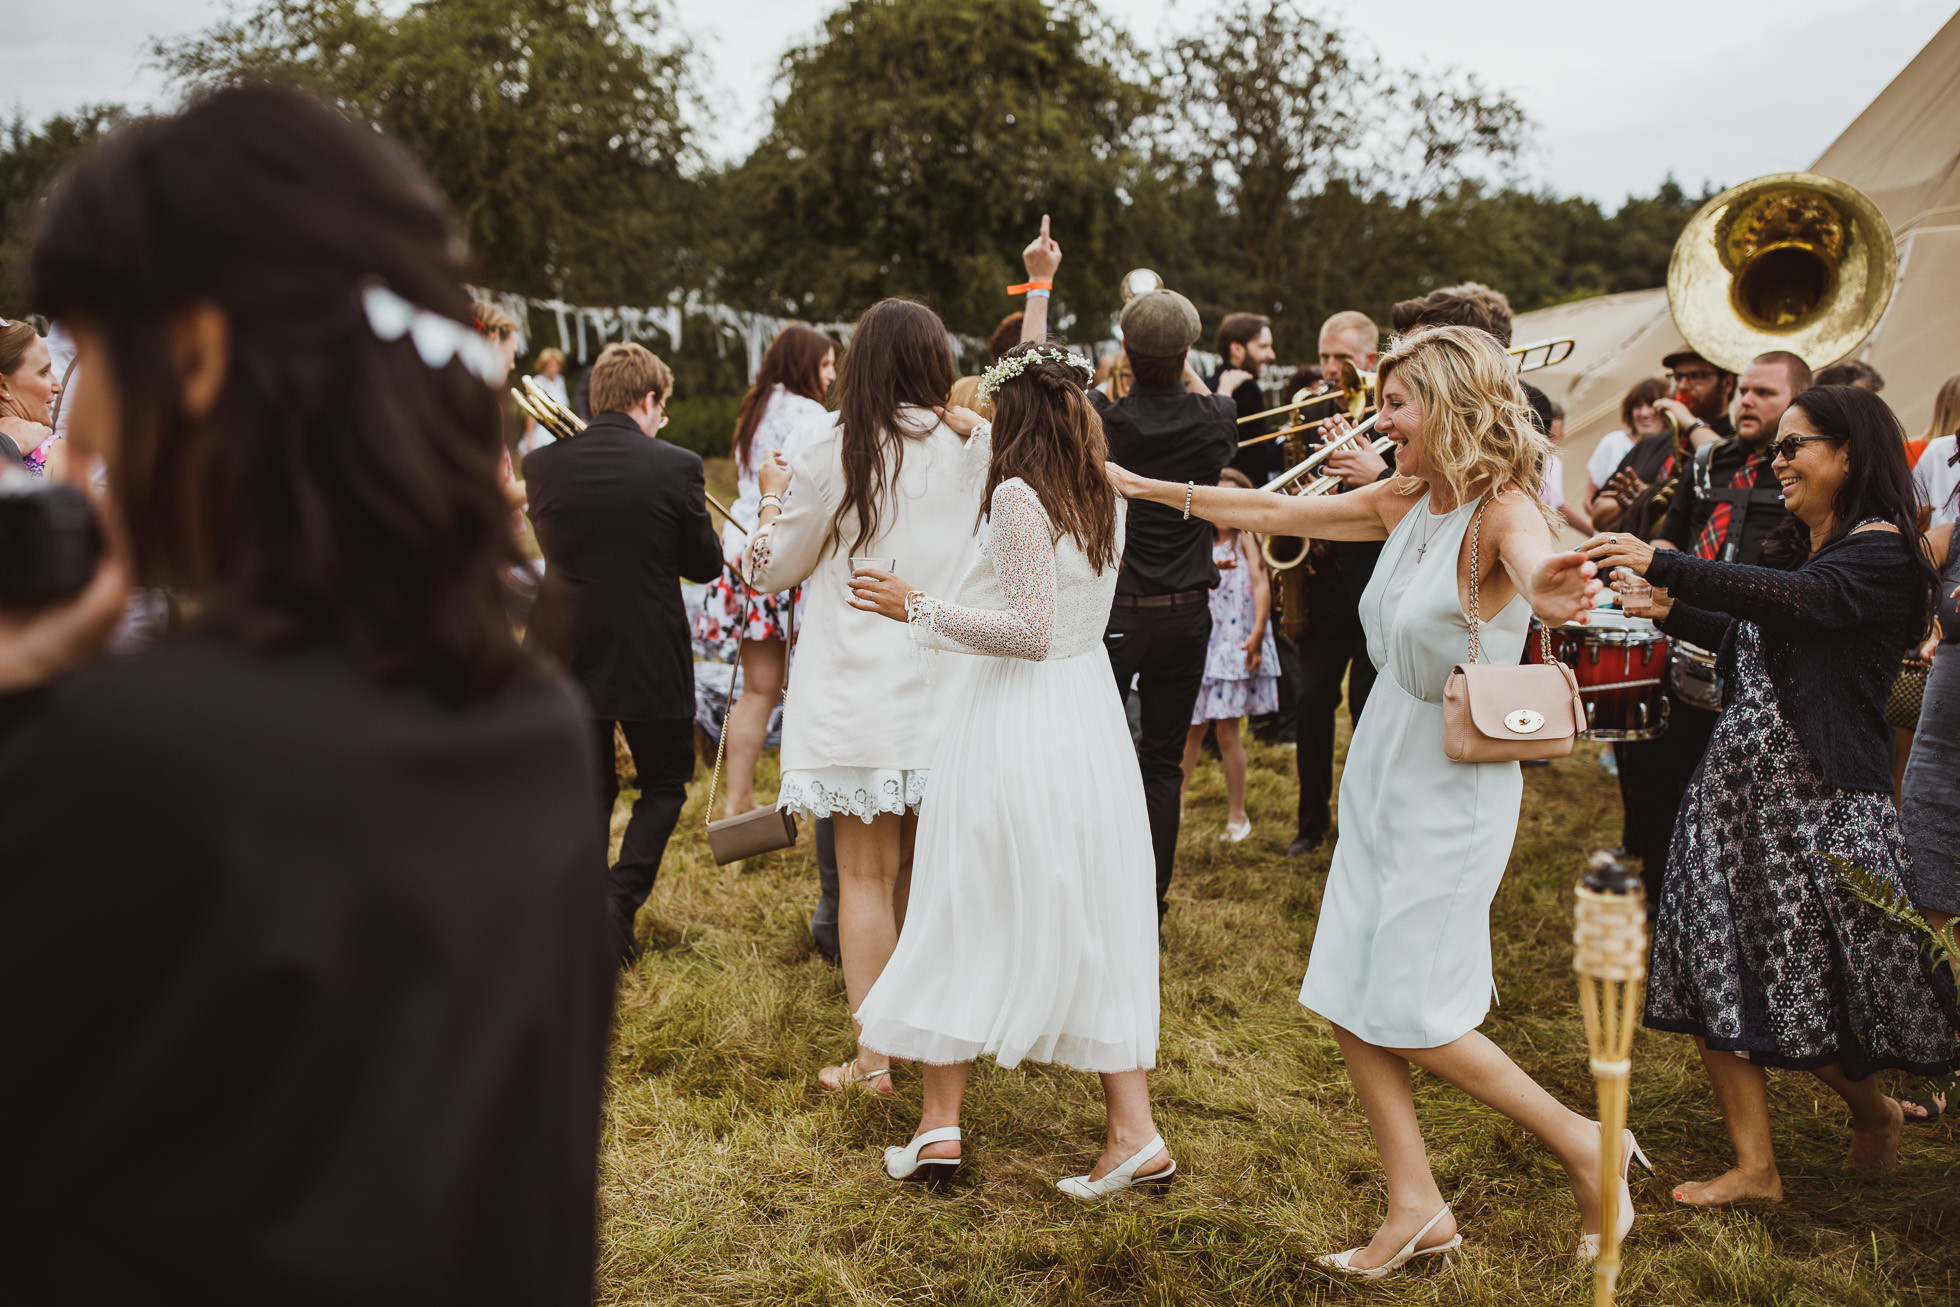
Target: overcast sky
<point>1717,91</point>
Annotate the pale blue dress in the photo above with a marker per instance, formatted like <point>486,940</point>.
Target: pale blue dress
<point>1401,955</point>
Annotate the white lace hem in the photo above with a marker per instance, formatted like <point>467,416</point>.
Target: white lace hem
<point>861,792</point>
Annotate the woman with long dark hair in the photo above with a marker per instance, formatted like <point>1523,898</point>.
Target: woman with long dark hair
<point>305,931</point>
<point>891,481</point>
<point>1032,930</point>
<point>782,413</point>
<point>1759,952</point>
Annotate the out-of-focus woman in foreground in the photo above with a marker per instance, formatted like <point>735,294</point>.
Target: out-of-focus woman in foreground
<point>302,911</point>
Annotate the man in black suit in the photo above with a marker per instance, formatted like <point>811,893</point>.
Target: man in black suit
<point>621,516</point>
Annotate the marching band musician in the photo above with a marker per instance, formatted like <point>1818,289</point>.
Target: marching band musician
<point>1244,343</point>
<point>1334,651</point>
<point>1724,508</point>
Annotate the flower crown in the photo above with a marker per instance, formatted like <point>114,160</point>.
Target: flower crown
<point>1011,367</point>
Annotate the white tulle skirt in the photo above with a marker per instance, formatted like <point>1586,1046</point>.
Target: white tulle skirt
<point>1031,931</point>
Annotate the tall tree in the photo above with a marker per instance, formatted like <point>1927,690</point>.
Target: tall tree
<point>555,127</point>
<point>1324,156</point>
<point>30,158</point>
<point>914,147</point>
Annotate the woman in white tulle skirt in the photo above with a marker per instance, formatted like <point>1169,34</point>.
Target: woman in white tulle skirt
<point>1032,927</point>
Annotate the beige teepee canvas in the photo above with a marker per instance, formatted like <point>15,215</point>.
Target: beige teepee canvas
<point>1904,152</point>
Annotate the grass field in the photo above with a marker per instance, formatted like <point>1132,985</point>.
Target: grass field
<point>731,1177</point>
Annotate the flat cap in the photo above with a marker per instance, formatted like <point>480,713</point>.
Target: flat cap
<point>1682,353</point>
<point>1159,324</point>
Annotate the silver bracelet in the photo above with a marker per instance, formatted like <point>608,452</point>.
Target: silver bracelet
<point>1189,487</point>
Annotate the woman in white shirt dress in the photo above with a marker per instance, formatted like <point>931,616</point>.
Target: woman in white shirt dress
<point>1401,954</point>
<point>864,713</point>
<point>1032,930</point>
<point>782,414</point>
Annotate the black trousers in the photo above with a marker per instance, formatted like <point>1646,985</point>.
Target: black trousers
<point>1277,727</point>
<point>1334,649</point>
<point>1654,778</point>
<point>1164,648</point>
<point>663,755</point>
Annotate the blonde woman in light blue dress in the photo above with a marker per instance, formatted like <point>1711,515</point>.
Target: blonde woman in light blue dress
<point>1401,954</point>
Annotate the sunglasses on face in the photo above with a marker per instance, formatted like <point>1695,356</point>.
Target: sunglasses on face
<point>1786,448</point>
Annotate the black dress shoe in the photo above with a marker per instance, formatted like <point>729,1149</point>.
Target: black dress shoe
<point>1306,844</point>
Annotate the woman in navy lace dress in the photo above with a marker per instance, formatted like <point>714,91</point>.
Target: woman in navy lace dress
<point>1759,952</point>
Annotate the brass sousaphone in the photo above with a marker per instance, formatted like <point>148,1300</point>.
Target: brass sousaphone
<point>1793,261</point>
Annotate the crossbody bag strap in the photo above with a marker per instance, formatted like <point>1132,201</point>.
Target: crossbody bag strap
<point>1476,598</point>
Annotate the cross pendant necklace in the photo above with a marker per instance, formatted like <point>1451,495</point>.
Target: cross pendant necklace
<point>1422,546</point>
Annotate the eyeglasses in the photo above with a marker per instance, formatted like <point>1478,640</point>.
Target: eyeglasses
<point>1694,378</point>
<point>1786,448</point>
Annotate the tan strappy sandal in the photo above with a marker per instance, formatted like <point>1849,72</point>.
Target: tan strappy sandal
<point>848,1078</point>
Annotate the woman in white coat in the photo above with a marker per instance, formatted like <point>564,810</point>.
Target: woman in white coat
<point>864,714</point>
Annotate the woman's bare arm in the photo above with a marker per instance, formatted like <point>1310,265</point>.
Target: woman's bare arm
<point>1559,584</point>
<point>1364,514</point>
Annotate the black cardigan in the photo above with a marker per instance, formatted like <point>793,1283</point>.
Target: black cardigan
<point>1834,631</point>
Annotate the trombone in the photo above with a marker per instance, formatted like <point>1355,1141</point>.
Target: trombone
<point>1534,357</point>
<point>543,408</point>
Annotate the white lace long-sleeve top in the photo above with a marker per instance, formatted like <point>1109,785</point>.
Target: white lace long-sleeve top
<point>1028,595</point>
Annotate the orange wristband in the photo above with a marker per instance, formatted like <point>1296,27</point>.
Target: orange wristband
<point>1035,284</point>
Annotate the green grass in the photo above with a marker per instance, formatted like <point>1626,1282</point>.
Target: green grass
<point>730,1177</point>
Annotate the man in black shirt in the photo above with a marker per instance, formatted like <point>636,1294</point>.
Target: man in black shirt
<point>1245,345</point>
<point>1729,519</point>
<point>1170,427</point>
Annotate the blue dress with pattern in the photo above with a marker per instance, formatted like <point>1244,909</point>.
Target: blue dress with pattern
<point>1229,691</point>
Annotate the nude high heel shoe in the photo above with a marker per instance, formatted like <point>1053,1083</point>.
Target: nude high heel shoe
<point>1123,1177</point>
<point>1339,1261</point>
<point>1630,1152</point>
<point>933,1172</point>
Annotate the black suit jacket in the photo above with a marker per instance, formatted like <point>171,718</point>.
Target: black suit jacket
<point>621,517</point>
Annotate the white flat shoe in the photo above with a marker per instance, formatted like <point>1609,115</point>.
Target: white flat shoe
<point>1123,1177</point>
<point>1630,1152</point>
<point>933,1172</point>
<point>1234,832</point>
<point>1340,1262</point>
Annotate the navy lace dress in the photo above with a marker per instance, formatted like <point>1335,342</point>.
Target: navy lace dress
<point>1758,949</point>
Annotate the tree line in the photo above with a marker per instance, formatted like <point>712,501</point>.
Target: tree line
<point>1265,161</point>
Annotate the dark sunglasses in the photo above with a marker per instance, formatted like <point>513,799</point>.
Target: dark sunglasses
<point>1786,448</point>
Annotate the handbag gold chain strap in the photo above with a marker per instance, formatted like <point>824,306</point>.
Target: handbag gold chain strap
<point>741,634</point>
<point>1476,600</point>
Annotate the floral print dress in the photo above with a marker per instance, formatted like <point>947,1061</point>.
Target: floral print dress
<point>1229,690</point>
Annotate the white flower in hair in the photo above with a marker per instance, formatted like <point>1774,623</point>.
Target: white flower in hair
<point>1014,364</point>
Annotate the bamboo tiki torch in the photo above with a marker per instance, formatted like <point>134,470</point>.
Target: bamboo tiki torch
<point>1610,954</point>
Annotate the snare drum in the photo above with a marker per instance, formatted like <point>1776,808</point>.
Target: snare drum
<point>1692,676</point>
<point>1621,664</point>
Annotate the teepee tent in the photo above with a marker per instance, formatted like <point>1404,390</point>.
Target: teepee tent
<point>1904,152</point>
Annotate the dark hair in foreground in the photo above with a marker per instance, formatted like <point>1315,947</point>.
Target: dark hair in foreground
<point>340,491</point>
<point>1048,433</point>
<point>900,355</point>
<point>794,361</point>
<point>1877,483</point>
